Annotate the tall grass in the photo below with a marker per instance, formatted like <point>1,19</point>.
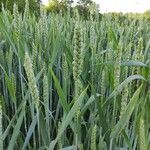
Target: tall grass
<point>68,83</point>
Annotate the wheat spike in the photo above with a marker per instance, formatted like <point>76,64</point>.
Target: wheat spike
<point>1,127</point>
<point>31,80</point>
<point>93,138</point>
<point>142,135</point>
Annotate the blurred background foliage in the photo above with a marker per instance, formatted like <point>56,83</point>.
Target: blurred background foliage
<point>55,6</point>
<point>84,8</point>
<point>34,5</point>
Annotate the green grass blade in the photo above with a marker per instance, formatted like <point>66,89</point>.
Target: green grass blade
<point>16,131</point>
<point>126,116</point>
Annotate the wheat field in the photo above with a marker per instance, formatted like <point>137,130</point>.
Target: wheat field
<point>67,83</point>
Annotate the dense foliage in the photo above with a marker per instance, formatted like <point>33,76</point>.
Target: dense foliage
<point>8,4</point>
<point>83,7</point>
<point>71,83</point>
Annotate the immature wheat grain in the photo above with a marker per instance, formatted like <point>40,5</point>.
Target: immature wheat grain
<point>93,138</point>
<point>65,67</point>
<point>16,20</point>
<point>77,53</point>
<point>46,96</point>
<point>31,80</point>
<point>117,69</point>
<point>44,26</point>
<point>103,84</point>
<point>34,54</point>
<point>125,91</point>
<point>1,127</point>
<point>59,140</point>
<point>26,10</point>
<point>142,135</point>
<point>77,70</point>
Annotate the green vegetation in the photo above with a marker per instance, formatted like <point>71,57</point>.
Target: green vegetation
<point>63,6</point>
<point>68,83</point>
<point>33,5</point>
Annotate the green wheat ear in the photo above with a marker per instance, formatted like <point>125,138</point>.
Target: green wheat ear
<point>93,138</point>
<point>117,68</point>
<point>46,94</point>
<point>59,140</point>
<point>103,83</point>
<point>65,66</point>
<point>77,59</point>
<point>1,127</point>
<point>31,80</point>
<point>77,70</point>
<point>77,53</point>
<point>17,22</point>
<point>142,134</point>
<point>26,11</point>
<point>34,54</point>
<point>125,92</point>
<point>124,100</point>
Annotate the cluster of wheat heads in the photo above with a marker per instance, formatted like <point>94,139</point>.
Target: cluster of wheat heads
<point>69,83</point>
